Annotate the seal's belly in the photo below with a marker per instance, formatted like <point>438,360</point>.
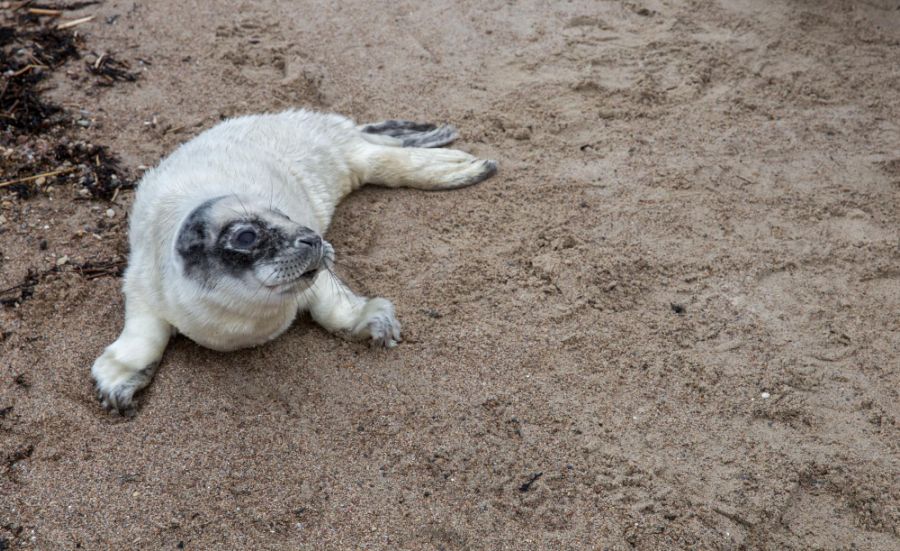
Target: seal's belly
<point>225,333</point>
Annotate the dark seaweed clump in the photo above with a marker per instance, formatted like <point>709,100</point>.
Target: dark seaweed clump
<point>111,70</point>
<point>36,143</point>
<point>26,58</point>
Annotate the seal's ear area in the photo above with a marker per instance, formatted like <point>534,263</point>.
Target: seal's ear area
<point>194,236</point>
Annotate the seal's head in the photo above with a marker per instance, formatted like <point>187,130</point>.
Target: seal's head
<point>253,251</point>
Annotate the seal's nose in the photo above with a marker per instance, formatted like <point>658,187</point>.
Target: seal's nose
<point>310,240</point>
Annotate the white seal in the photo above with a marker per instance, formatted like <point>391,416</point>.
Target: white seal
<point>226,234</point>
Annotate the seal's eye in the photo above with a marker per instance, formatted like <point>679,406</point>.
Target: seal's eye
<point>245,238</point>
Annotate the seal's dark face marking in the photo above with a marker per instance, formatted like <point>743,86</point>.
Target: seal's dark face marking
<point>257,247</point>
<point>246,241</point>
<point>192,239</point>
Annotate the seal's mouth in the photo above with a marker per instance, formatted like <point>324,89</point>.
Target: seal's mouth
<point>296,274</point>
<point>284,288</point>
<point>304,279</point>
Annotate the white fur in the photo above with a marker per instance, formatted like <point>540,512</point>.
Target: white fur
<point>301,162</point>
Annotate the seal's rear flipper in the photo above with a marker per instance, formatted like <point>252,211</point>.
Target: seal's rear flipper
<point>409,134</point>
<point>397,128</point>
<point>423,168</point>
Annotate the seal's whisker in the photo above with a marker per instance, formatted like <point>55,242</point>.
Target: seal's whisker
<point>312,290</point>
<point>237,213</point>
<point>332,278</point>
<point>264,285</point>
<point>341,287</point>
<point>297,303</point>
<point>351,270</point>
<point>269,294</point>
<point>243,206</point>
<point>342,264</point>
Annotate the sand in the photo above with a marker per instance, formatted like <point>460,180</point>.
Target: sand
<point>669,322</point>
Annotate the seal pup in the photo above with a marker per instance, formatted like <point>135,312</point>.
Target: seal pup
<point>226,235</point>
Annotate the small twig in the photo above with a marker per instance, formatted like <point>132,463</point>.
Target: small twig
<point>15,287</point>
<point>733,517</point>
<point>27,68</point>
<point>74,23</point>
<point>91,271</point>
<point>87,270</point>
<point>531,480</point>
<point>43,11</point>
<point>836,358</point>
<point>36,176</point>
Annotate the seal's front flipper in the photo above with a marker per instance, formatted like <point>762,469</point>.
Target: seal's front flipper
<point>338,309</point>
<point>128,364</point>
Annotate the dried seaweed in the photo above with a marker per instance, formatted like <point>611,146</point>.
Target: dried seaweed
<point>34,132</point>
<point>111,70</point>
<point>99,170</point>
<point>17,294</point>
<point>64,6</point>
<point>93,270</point>
<point>25,290</point>
<point>25,57</point>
